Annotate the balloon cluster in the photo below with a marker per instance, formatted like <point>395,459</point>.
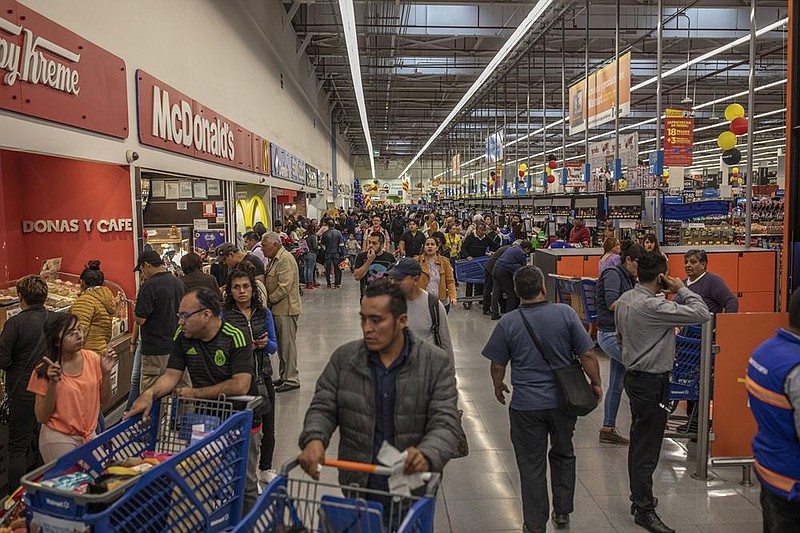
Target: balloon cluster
<point>552,164</point>
<point>727,139</point>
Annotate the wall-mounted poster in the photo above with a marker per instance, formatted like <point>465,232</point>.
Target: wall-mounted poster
<point>208,239</point>
<point>171,190</point>
<point>185,188</point>
<point>199,190</point>
<point>212,187</point>
<point>596,104</point>
<point>157,188</point>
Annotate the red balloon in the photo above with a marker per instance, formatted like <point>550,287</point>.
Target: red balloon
<point>521,174</point>
<point>553,164</point>
<point>739,125</point>
<point>551,179</point>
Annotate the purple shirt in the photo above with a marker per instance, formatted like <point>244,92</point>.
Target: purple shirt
<point>610,261</point>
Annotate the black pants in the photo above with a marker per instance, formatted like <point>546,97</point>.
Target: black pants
<point>23,436</point>
<point>649,399</point>
<point>529,433</point>
<point>332,263</point>
<point>268,427</point>
<point>474,288</point>
<point>780,515</point>
<point>488,294</point>
<point>506,280</point>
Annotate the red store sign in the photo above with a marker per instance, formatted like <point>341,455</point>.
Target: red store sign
<point>52,73</point>
<point>171,120</point>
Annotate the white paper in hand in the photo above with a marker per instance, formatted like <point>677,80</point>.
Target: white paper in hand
<point>399,483</point>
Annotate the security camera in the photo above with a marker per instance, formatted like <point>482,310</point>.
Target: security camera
<point>131,156</point>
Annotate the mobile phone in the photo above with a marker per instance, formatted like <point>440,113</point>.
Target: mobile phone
<point>662,282</point>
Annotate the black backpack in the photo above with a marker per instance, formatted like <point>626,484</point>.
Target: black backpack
<point>433,306</point>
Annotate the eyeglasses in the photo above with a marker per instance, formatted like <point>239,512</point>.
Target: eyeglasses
<point>186,316</point>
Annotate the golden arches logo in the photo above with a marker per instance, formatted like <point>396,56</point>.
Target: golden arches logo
<point>250,207</point>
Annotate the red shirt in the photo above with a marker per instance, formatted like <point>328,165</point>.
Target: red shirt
<point>580,235</point>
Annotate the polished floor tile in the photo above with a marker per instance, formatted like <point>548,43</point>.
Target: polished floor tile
<point>481,492</point>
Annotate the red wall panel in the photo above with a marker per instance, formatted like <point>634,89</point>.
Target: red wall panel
<point>36,187</point>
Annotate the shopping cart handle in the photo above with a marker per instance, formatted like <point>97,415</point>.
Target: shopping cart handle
<point>250,402</point>
<point>431,478</point>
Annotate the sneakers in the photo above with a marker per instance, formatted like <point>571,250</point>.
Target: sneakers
<point>278,383</point>
<point>560,520</point>
<point>652,522</point>
<point>265,477</point>
<point>613,437</point>
<point>287,387</point>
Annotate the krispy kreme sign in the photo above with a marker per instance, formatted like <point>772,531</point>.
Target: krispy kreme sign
<point>49,72</point>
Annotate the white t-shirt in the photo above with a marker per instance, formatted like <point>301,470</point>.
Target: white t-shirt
<point>420,322</point>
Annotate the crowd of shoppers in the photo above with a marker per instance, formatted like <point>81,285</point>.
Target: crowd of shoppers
<point>404,262</point>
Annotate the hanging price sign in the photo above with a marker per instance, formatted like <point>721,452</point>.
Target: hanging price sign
<point>678,137</point>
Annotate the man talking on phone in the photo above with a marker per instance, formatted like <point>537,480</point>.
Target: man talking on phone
<point>646,324</point>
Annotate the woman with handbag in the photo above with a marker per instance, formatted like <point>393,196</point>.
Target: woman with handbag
<point>244,309</point>
<point>21,349</point>
<point>71,385</point>
<point>437,275</point>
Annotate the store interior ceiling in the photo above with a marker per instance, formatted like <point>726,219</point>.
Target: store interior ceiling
<point>418,59</point>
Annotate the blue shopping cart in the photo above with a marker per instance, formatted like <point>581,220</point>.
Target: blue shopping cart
<point>580,294</point>
<point>685,377</point>
<point>471,271</point>
<point>303,504</point>
<point>199,488</point>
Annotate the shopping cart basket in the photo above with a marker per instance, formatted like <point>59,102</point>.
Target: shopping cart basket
<point>200,487</point>
<point>580,294</point>
<point>684,381</point>
<point>303,504</point>
<point>471,271</point>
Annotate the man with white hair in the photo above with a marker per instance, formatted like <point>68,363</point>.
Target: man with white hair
<point>283,289</point>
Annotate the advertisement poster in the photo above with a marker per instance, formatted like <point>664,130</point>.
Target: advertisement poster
<point>601,153</point>
<point>494,147</point>
<point>595,100</point>
<point>678,137</point>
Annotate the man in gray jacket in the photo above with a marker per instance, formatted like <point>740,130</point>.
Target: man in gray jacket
<point>646,324</point>
<point>390,387</point>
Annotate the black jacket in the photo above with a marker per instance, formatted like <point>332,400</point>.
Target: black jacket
<point>613,282</point>
<point>475,247</point>
<point>22,334</point>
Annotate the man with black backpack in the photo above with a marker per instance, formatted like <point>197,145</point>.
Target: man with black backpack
<point>427,318</point>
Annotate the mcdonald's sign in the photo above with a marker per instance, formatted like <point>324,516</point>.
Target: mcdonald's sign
<point>248,209</point>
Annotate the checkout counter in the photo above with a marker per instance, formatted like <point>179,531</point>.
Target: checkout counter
<point>752,275</point>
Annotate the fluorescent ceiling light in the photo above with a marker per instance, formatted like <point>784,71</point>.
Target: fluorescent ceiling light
<point>351,39</point>
<point>512,41</point>
<point>712,53</point>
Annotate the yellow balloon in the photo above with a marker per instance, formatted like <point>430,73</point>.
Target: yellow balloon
<point>726,139</point>
<point>666,173</point>
<point>735,170</point>
<point>549,171</point>
<point>734,111</point>
<point>523,167</point>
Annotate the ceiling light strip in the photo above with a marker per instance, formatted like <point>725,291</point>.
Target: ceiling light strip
<point>351,39</point>
<point>712,53</point>
<point>506,49</point>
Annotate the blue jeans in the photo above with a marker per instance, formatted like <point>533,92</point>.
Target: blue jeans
<point>136,374</point>
<point>609,343</point>
<point>309,267</point>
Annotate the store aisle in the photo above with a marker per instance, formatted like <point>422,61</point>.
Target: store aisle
<point>481,492</point>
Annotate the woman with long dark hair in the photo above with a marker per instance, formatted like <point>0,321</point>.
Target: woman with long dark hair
<point>71,386</point>
<point>244,309</point>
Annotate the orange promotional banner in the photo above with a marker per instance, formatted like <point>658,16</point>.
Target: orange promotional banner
<point>596,104</point>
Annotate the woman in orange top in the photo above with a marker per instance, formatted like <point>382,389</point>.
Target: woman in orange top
<point>437,275</point>
<point>70,386</point>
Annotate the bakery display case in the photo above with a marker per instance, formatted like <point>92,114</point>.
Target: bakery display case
<point>63,289</point>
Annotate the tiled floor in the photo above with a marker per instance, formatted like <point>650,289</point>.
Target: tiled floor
<point>481,492</point>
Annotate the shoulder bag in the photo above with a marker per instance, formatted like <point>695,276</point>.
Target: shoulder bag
<point>579,400</point>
